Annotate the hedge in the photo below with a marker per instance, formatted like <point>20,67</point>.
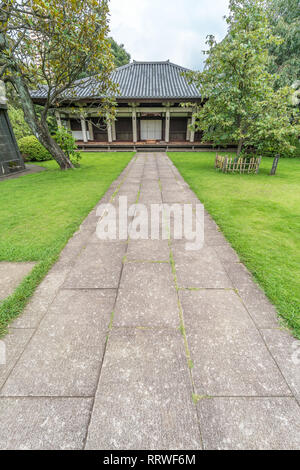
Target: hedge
<point>32,150</point>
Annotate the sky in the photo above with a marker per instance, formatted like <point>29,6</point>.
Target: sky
<point>156,30</point>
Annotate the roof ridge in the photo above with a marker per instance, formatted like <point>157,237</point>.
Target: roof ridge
<point>150,62</point>
<point>180,67</point>
<point>122,67</point>
<point>153,62</point>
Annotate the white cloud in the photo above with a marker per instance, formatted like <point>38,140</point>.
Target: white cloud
<point>167,29</point>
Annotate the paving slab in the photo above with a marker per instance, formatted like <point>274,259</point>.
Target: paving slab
<point>14,343</point>
<point>130,187</point>
<point>170,184</point>
<point>199,269</point>
<point>147,297</point>
<point>226,254</point>
<point>64,356</point>
<point>79,238</point>
<point>215,238</point>
<point>11,275</point>
<point>210,224</point>
<point>286,351</point>
<point>250,423</point>
<point>148,250</point>
<point>174,217</point>
<point>152,194</point>
<point>133,180</point>
<point>261,310</point>
<point>230,357</point>
<point>69,254</point>
<point>43,423</point>
<point>41,300</point>
<point>149,184</point>
<point>181,197</point>
<point>151,174</point>
<point>166,173</point>
<point>144,397</point>
<point>150,198</point>
<point>90,222</point>
<point>97,267</point>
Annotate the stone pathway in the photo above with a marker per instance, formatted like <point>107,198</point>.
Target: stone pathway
<point>30,169</point>
<point>144,345</point>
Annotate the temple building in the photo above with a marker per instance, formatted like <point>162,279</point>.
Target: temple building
<point>149,109</point>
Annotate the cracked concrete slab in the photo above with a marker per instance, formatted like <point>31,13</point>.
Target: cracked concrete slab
<point>15,342</point>
<point>226,254</point>
<point>144,398</point>
<point>41,300</point>
<point>259,307</point>
<point>97,267</point>
<point>199,269</point>
<point>250,423</point>
<point>142,297</point>
<point>230,357</point>
<point>43,423</point>
<point>286,352</point>
<point>148,250</point>
<point>64,356</point>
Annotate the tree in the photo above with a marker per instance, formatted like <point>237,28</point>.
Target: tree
<point>241,105</point>
<point>49,44</point>
<point>121,56</point>
<point>284,16</point>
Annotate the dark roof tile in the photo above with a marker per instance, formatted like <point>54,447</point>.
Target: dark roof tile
<point>139,80</point>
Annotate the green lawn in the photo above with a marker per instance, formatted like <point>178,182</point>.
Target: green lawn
<point>260,216</point>
<point>39,213</point>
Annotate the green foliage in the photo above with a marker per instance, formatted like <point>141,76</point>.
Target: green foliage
<point>242,106</point>
<point>67,143</point>
<point>284,16</point>
<point>50,44</point>
<point>20,127</point>
<point>32,150</point>
<point>121,56</point>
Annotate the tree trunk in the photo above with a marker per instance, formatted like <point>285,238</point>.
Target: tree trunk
<point>53,148</point>
<point>40,128</point>
<point>240,146</point>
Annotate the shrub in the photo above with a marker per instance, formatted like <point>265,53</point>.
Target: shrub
<point>32,150</point>
<point>67,143</point>
<point>20,127</point>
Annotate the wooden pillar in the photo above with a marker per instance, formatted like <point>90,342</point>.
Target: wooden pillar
<point>91,130</point>
<point>83,128</point>
<point>114,133</point>
<point>167,133</point>
<point>58,119</point>
<point>188,130</point>
<point>68,124</point>
<point>109,131</point>
<point>134,126</point>
<point>192,134</point>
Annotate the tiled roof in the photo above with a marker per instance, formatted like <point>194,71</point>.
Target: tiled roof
<point>139,80</point>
